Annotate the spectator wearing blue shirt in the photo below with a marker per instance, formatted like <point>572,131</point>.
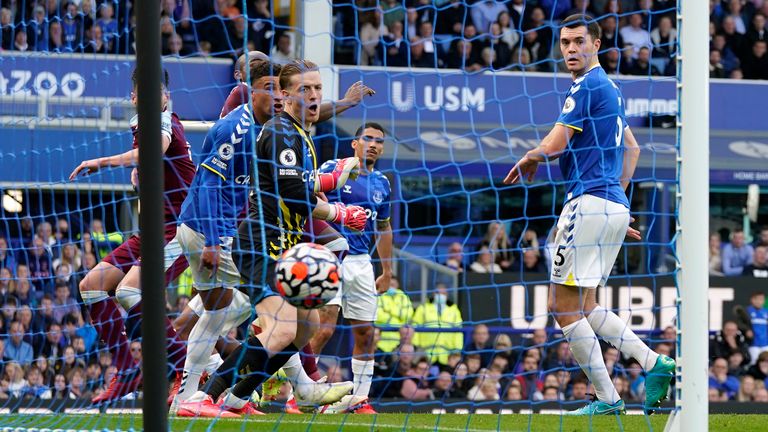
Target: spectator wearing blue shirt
<point>7,260</point>
<point>555,9</point>
<point>486,12</point>
<point>37,32</point>
<point>74,327</point>
<point>736,254</point>
<point>15,347</point>
<point>758,316</point>
<point>636,380</point>
<point>720,380</point>
<point>72,27</point>
<point>108,24</point>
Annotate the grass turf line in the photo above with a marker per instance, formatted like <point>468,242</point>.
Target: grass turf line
<point>381,422</point>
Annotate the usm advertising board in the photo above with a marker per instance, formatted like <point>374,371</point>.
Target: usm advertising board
<point>479,122</point>
<point>484,121</point>
<point>646,303</point>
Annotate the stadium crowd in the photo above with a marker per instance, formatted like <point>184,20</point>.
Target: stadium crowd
<point>737,257</point>
<point>48,348</point>
<point>639,36</point>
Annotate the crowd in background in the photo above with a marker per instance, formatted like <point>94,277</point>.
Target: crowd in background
<point>639,36</point>
<point>48,348</point>
<point>498,252</point>
<point>737,257</point>
<point>428,365</point>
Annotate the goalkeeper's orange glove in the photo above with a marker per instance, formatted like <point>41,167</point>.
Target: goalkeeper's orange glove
<point>352,217</point>
<point>345,169</point>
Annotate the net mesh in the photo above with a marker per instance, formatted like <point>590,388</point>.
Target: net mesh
<point>462,89</point>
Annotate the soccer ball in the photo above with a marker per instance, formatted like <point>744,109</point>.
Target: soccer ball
<point>308,275</point>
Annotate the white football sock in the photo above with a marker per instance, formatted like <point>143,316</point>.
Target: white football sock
<point>232,401</point>
<point>201,341</point>
<point>616,332</point>
<point>362,372</point>
<point>295,373</point>
<point>214,361</point>
<point>586,351</point>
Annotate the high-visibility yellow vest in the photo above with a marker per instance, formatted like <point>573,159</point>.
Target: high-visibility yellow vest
<point>394,310</point>
<point>438,345</point>
<point>105,243</point>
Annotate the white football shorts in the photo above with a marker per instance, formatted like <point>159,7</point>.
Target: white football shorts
<point>192,243</point>
<point>357,296</point>
<point>590,233</point>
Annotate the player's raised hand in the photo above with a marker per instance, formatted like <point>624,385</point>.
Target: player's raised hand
<point>352,217</point>
<point>345,169</point>
<point>87,167</point>
<point>524,168</point>
<point>633,233</point>
<point>209,258</point>
<point>356,92</point>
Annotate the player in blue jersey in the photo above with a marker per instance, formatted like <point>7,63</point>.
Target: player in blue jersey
<point>598,155</point>
<point>208,221</point>
<point>287,183</point>
<point>358,294</point>
<point>758,317</point>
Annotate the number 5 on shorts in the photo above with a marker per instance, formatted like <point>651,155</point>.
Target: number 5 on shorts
<point>559,258</point>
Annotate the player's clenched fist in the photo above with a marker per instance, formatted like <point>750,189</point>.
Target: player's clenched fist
<point>345,169</point>
<point>352,217</point>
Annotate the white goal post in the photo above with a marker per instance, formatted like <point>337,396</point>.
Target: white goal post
<point>692,403</point>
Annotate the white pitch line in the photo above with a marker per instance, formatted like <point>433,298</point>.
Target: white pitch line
<point>310,422</point>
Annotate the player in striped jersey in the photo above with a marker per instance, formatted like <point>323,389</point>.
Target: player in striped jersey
<point>208,222</point>
<point>317,231</point>
<point>287,183</point>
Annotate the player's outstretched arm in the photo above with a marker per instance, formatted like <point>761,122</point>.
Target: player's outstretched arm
<point>631,156</point>
<point>352,98</point>
<point>90,166</point>
<point>551,148</point>
<point>127,159</point>
<point>384,247</point>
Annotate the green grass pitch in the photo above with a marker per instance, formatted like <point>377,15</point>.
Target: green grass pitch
<point>381,422</point>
